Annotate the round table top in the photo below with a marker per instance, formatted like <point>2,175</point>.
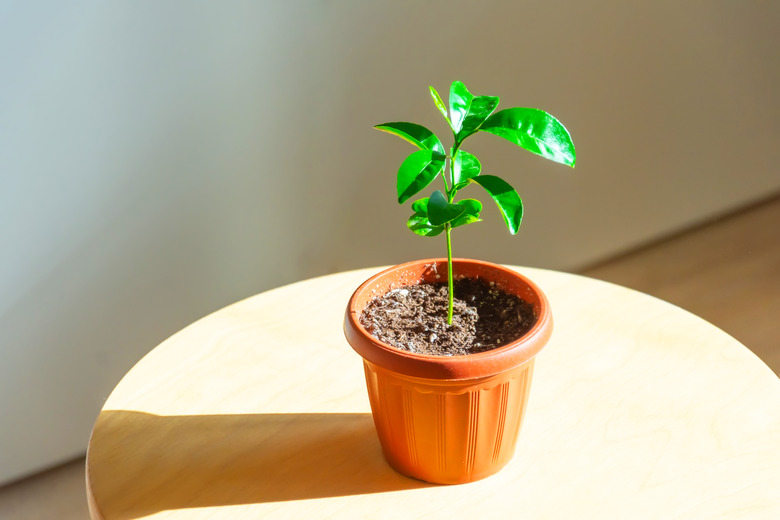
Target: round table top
<point>638,409</point>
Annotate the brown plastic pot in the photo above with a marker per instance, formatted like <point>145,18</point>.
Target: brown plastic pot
<point>448,419</point>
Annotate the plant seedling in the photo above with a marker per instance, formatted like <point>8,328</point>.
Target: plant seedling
<point>530,128</point>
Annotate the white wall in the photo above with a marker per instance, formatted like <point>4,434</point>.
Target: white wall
<point>159,160</point>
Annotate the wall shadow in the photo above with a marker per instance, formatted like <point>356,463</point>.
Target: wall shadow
<point>140,463</point>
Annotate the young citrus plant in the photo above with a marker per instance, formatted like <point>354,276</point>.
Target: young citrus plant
<point>530,128</point>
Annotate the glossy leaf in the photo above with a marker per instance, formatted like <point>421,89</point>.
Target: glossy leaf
<point>465,166</point>
<point>440,104</point>
<point>536,131</point>
<point>440,211</point>
<point>416,134</point>
<point>460,101</point>
<point>471,210</point>
<point>506,198</point>
<point>481,108</point>
<point>416,172</point>
<point>419,222</point>
<point>468,112</point>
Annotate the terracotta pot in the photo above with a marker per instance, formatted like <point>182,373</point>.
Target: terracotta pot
<point>448,419</point>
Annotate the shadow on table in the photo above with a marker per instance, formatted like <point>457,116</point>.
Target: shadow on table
<point>141,463</point>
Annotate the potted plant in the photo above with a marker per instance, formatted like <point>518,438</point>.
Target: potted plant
<point>448,366</point>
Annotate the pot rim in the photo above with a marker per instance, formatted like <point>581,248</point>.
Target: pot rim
<point>469,366</point>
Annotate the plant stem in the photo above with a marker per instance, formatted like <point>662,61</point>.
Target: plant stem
<point>451,196</point>
<point>446,186</point>
<point>450,288</point>
<point>448,229</point>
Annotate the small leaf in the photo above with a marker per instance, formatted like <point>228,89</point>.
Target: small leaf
<point>440,104</point>
<point>416,172</point>
<point>440,211</point>
<point>465,166</point>
<point>472,208</point>
<point>467,111</point>
<point>416,134</point>
<point>506,198</point>
<point>419,222</point>
<point>481,108</point>
<point>460,101</point>
<point>421,206</point>
<point>536,131</point>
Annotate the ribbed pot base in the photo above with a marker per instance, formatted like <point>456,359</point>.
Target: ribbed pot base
<point>448,432</point>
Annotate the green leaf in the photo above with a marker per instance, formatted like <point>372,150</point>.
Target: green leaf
<point>440,211</point>
<point>471,210</point>
<point>440,104</point>
<point>536,131</point>
<point>465,166</point>
<point>468,112</point>
<point>416,134</point>
<point>460,101</point>
<point>417,171</point>
<point>481,108</point>
<point>419,222</point>
<point>421,225</point>
<point>506,198</point>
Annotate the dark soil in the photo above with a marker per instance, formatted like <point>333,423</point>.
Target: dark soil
<point>414,318</point>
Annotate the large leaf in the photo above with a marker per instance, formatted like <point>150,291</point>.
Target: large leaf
<point>440,211</point>
<point>421,225</point>
<point>417,171</point>
<point>506,198</point>
<point>465,166</point>
<point>468,112</point>
<point>536,131</point>
<point>416,134</point>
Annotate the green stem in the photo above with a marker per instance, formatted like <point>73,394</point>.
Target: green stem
<point>446,186</point>
<point>448,229</point>
<point>451,196</point>
<point>450,288</point>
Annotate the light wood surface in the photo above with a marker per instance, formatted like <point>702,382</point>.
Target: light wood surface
<point>638,409</point>
<point>727,272</point>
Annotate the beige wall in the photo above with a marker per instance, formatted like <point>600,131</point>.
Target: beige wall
<point>160,160</point>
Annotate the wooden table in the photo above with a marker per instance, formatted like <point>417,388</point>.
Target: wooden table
<point>638,410</point>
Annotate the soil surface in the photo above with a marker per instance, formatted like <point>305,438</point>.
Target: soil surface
<point>414,318</point>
